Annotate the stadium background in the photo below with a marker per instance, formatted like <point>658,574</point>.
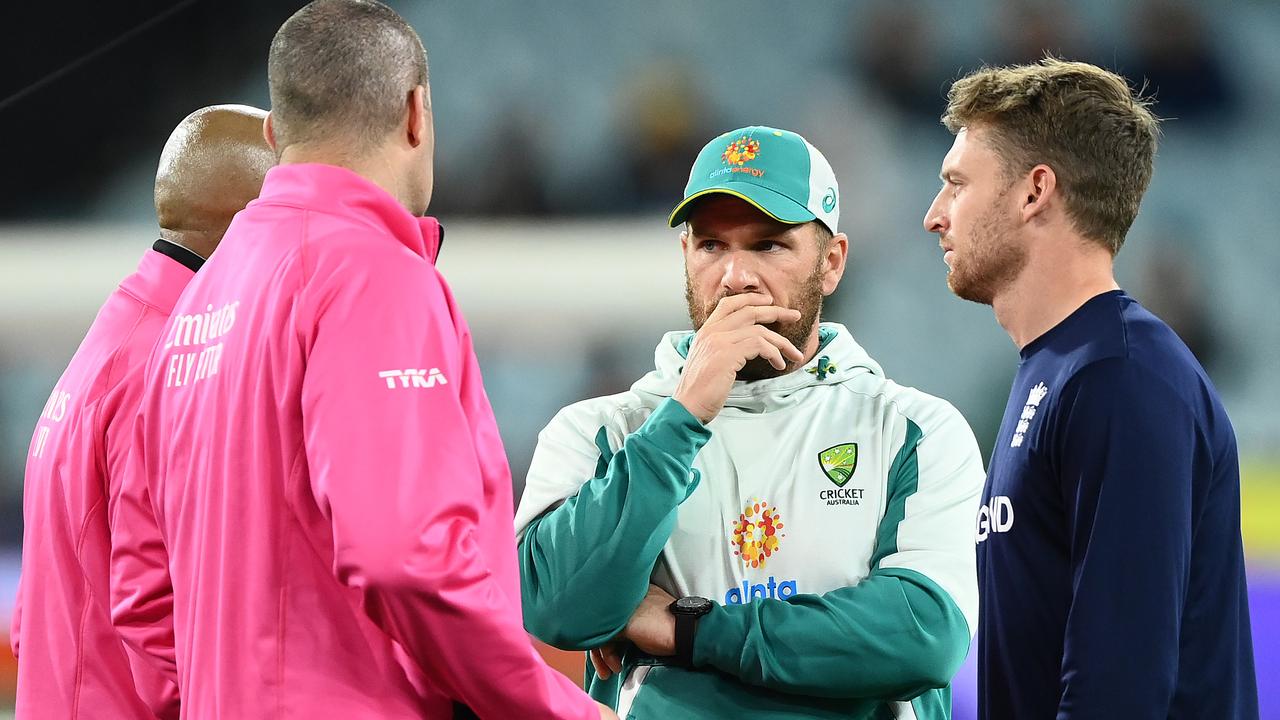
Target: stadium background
<point>564,134</point>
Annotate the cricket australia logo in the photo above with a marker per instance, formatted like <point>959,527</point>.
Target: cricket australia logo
<point>838,463</point>
<point>413,378</point>
<point>1028,413</point>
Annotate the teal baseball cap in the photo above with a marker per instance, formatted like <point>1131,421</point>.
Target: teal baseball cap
<point>777,171</point>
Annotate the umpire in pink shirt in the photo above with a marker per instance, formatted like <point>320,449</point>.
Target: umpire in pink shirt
<point>71,662</point>
<point>323,464</point>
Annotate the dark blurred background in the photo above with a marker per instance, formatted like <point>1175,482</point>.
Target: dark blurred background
<point>565,132</point>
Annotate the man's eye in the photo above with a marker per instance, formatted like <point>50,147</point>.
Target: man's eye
<point>707,245</point>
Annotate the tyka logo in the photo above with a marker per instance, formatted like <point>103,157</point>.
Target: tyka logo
<point>413,378</point>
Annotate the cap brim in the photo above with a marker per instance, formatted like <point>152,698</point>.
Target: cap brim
<point>770,202</point>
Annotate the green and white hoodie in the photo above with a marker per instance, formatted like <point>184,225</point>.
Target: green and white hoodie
<point>828,513</point>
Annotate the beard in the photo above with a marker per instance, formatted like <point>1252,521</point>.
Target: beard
<point>807,298</point>
<point>993,260</point>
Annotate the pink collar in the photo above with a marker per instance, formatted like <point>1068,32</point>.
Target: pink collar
<point>158,281</point>
<point>337,190</point>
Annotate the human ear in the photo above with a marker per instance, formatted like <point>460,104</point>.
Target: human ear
<point>1037,188</point>
<point>418,121</point>
<point>835,260</point>
<point>269,132</point>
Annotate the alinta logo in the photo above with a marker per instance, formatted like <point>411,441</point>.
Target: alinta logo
<point>757,533</point>
<point>741,151</point>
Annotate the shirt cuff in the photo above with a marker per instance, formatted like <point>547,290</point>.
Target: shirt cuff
<point>675,431</point>
<point>718,641</point>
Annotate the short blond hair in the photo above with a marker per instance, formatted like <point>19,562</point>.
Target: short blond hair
<point>1086,123</point>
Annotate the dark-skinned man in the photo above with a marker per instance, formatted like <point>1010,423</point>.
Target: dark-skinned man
<point>71,661</point>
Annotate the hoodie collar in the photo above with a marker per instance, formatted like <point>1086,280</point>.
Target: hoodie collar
<point>339,191</point>
<point>839,359</point>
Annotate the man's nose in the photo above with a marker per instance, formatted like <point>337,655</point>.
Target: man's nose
<point>741,274</point>
<point>935,221</point>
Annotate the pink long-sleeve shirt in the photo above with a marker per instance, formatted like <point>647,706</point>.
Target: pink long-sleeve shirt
<point>71,662</point>
<point>328,480</point>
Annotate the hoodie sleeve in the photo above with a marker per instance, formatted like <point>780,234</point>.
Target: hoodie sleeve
<point>141,590</point>
<point>393,467</point>
<point>906,626</point>
<point>585,565</point>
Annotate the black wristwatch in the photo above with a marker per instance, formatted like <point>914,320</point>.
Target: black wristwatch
<point>687,611</point>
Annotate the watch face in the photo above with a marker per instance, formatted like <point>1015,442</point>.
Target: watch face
<point>692,605</point>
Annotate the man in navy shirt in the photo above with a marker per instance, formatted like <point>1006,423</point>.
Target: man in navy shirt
<point>1110,563</point>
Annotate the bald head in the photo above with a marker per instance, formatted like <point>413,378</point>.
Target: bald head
<point>211,167</point>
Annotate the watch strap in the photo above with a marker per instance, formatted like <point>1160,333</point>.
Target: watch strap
<point>686,631</point>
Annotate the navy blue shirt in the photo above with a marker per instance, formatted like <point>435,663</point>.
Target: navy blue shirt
<point>1110,563</point>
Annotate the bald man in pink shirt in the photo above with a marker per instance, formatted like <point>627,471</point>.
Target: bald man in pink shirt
<point>71,661</point>
<point>323,464</point>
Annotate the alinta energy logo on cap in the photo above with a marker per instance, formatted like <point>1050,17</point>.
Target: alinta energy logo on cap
<point>741,151</point>
<point>776,171</point>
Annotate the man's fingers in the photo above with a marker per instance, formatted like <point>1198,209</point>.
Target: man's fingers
<point>766,314</point>
<point>603,671</point>
<point>612,657</point>
<point>752,332</point>
<point>733,303</point>
<point>788,349</point>
<point>606,659</point>
<point>759,347</point>
<point>754,315</point>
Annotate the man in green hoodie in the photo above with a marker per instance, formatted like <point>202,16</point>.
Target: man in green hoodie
<point>765,525</point>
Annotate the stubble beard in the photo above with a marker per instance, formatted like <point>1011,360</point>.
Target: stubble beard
<point>994,259</point>
<point>807,299</point>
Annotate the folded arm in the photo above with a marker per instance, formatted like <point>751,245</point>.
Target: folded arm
<point>585,565</point>
<point>903,629</point>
